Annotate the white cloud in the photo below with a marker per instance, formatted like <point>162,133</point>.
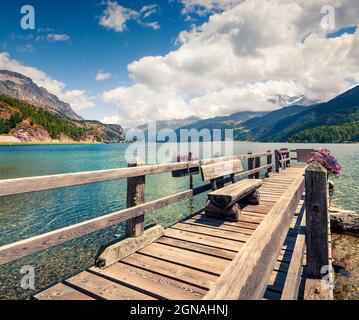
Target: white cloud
<point>116,16</point>
<point>241,58</point>
<point>58,37</point>
<point>101,75</point>
<point>154,25</point>
<point>202,7</point>
<point>78,99</point>
<point>148,10</point>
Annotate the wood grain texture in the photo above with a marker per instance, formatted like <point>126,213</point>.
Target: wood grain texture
<point>232,193</point>
<point>157,285</point>
<point>317,218</point>
<point>135,196</point>
<point>200,229</point>
<point>40,183</point>
<point>197,247</point>
<point>204,239</point>
<point>220,169</point>
<point>291,286</point>
<point>105,289</point>
<point>62,292</point>
<point>170,269</point>
<point>123,248</point>
<point>251,269</point>
<point>199,261</point>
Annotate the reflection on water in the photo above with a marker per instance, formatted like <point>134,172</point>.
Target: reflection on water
<point>23,216</point>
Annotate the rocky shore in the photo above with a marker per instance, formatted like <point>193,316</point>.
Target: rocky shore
<point>344,221</point>
<point>345,248</point>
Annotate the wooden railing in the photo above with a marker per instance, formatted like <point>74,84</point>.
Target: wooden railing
<point>136,205</point>
<point>248,274</point>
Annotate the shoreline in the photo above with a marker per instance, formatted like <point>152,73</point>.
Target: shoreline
<point>54,143</point>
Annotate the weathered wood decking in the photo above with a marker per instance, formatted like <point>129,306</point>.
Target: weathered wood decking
<point>189,259</point>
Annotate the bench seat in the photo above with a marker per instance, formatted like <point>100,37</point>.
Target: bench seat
<point>229,195</point>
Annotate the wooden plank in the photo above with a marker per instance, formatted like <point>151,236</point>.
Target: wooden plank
<point>221,223</point>
<point>250,217</point>
<point>291,287</point>
<point>211,231</point>
<point>259,215</point>
<point>104,288</point>
<point>197,247</point>
<point>214,225</point>
<point>29,246</point>
<point>61,292</point>
<point>149,282</point>
<point>220,169</point>
<point>187,258</point>
<point>189,275</point>
<point>251,269</point>
<point>227,196</point>
<point>203,239</point>
<point>123,248</point>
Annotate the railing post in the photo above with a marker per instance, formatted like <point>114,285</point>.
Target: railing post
<point>250,165</point>
<point>135,196</point>
<point>288,157</point>
<point>257,165</point>
<point>276,160</point>
<point>269,161</point>
<point>317,219</point>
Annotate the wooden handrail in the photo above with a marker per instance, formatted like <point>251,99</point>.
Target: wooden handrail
<point>41,183</point>
<point>47,240</point>
<point>248,274</point>
<point>35,244</point>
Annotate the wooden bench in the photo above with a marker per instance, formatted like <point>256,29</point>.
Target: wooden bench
<point>224,202</point>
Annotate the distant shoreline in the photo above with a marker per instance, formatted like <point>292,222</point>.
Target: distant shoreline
<point>53,143</point>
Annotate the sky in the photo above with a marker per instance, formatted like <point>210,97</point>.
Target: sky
<point>133,61</point>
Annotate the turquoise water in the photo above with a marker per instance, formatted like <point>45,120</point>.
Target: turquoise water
<point>23,216</point>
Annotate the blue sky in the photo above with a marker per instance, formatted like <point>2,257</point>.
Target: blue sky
<point>171,59</point>
<point>90,47</point>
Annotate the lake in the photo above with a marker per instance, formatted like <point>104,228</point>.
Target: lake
<point>23,216</point>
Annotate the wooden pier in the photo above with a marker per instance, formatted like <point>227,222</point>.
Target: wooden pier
<point>276,250</point>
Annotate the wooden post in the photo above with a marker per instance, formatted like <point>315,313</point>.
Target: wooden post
<point>135,196</point>
<point>276,160</point>
<point>288,161</point>
<point>250,165</point>
<point>190,176</point>
<point>317,215</point>
<point>269,161</point>
<point>257,165</point>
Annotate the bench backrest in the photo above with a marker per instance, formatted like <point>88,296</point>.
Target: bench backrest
<point>220,169</point>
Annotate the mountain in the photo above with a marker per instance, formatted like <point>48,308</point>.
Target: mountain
<point>20,87</point>
<point>285,101</point>
<point>22,122</point>
<point>259,128</point>
<point>233,121</point>
<point>302,124</point>
<point>170,124</point>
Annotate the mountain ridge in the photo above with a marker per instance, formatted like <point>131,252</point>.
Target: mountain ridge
<point>30,113</point>
<point>21,87</point>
